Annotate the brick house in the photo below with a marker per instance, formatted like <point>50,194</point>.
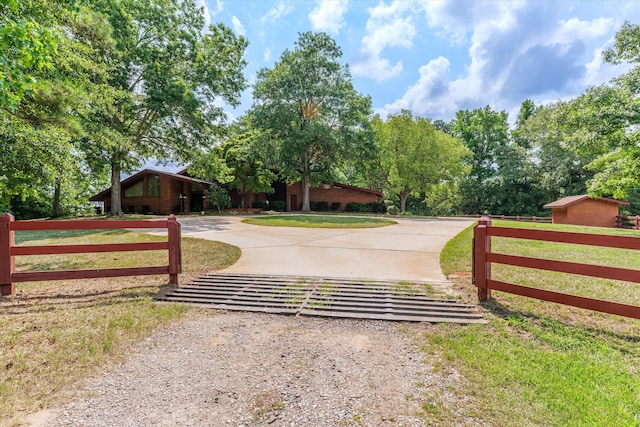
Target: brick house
<point>150,191</point>
<point>334,193</point>
<point>291,194</point>
<point>585,210</point>
<point>157,192</point>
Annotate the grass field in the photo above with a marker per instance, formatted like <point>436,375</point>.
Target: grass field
<point>539,363</point>
<point>319,221</point>
<point>55,335</point>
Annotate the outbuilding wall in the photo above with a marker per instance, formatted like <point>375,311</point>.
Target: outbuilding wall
<point>595,213</point>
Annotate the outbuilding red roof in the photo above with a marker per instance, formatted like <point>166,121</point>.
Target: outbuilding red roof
<point>571,200</point>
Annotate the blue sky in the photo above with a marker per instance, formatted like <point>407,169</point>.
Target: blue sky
<point>437,57</point>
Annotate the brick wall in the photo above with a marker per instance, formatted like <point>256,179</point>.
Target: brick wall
<point>165,204</point>
<point>329,195</point>
<point>595,213</point>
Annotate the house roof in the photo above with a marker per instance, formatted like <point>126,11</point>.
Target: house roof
<point>352,187</point>
<point>133,178</point>
<point>572,200</point>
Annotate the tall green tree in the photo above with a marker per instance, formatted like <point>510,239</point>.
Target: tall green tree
<point>308,105</point>
<point>241,161</point>
<point>162,95</point>
<point>610,118</point>
<point>27,45</point>
<point>415,156</point>
<point>39,161</point>
<point>559,169</point>
<point>485,132</point>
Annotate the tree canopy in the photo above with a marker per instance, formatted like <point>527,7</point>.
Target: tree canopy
<point>240,161</point>
<point>307,104</point>
<point>415,156</point>
<point>166,77</point>
<point>89,90</point>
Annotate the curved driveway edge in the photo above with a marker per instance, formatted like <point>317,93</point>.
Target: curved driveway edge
<point>408,250</point>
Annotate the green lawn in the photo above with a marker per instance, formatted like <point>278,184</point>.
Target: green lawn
<point>55,334</point>
<point>538,363</point>
<point>319,221</point>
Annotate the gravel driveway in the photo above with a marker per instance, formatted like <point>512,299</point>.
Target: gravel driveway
<point>243,369</point>
<point>230,368</point>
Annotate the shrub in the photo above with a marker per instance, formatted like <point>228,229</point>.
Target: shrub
<point>376,207</point>
<point>371,207</point>
<point>353,207</point>
<point>393,210</point>
<point>322,206</point>
<point>312,205</point>
<point>30,208</point>
<point>278,205</point>
<point>335,206</point>
<point>260,204</point>
<point>218,197</point>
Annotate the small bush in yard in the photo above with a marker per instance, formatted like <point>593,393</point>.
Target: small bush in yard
<point>393,210</point>
<point>278,205</point>
<point>322,206</point>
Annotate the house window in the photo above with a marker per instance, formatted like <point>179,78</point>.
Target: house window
<point>134,190</point>
<point>195,187</point>
<point>153,186</point>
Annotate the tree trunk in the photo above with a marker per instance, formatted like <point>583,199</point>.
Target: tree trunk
<point>243,194</point>
<point>57,209</point>
<point>403,198</point>
<point>306,207</point>
<point>116,202</point>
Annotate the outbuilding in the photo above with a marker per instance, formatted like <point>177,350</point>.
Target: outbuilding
<point>585,210</point>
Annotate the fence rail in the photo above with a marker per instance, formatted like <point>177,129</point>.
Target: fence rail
<point>483,258</point>
<point>542,219</point>
<point>628,222</point>
<point>8,250</point>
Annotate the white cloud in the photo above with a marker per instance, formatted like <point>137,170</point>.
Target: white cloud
<point>266,56</point>
<point>599,72</point>
<point>206,11</point>
<point>428,96</point>
<point>574,28</point>
<point>387,26</point>
<point>457,19</point>
<point>279,11</point>
<point>516,50</point>
<point>328,15</point>
<point>237,26</point>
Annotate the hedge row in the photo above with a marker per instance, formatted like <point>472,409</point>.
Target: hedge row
<point>372,207</point>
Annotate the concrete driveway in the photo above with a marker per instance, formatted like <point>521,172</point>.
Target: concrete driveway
<point>409,250</point>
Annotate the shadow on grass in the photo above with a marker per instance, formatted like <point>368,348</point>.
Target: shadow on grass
<point>35,235</point>
<point>32,304</point>
<point>526,319</point>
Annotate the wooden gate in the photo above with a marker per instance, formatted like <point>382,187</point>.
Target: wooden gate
<point>483,258</point>
<point>8,250</point>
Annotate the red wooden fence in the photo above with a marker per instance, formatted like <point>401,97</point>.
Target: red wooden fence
<point>519,218</point>
<point>483,258</point>
<point>8,250</point>
<point>628,222</point>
